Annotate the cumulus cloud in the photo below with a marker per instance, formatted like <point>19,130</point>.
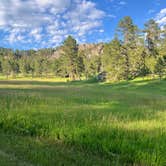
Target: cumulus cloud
<point>161,17</point>
<point>48,22</point>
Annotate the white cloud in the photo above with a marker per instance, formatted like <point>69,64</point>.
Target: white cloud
<point>84,17</point>
<point>36,34</point>
<point>122,3</point>
<point>161,17</point>
<point>15,35</point>
<point>48,20</point>
<point>101,30</point>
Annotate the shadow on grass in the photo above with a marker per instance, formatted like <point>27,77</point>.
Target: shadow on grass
<point>91,146</point>
<point>78,140</point>
<point>122,84</point>
<point>39,83</point>
<point>48,152</point>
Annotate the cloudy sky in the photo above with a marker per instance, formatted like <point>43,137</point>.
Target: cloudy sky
<point>36,24</point>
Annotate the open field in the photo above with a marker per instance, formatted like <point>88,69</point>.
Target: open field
<point>47,123</point>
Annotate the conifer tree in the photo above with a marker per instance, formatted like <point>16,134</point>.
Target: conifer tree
<point>70,49</point>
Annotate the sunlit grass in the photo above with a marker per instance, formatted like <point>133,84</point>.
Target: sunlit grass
<point>30,78</point>
<point>120,124</point>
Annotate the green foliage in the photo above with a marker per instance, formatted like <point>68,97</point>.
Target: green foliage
<point>57,67</point>
<point>9,64</point>
<point>113,61</point>
<point>70,56</point>
<point>24,65</point>
<point>92,66</point>
<point>160,67</point>
<point>132,54</point>
<point>153,32</point>
<point>92,80</point>
<point>128,49</point>
<point>128,30</point>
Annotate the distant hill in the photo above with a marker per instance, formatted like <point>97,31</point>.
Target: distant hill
<point>89,50</point>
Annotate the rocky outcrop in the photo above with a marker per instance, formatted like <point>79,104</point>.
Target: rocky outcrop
<point>92,49</point>
<point>88,49</point>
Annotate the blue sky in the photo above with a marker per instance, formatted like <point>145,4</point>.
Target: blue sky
<point>26,24</point>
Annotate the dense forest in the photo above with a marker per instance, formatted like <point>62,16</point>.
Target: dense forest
<point>131,53</point>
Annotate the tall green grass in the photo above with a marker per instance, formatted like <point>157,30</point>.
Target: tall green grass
<point>125,122</point>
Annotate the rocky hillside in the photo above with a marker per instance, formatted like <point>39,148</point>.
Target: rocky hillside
<point>89,50</point>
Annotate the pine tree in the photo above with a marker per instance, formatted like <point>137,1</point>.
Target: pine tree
<point>113,61</point>
<point>129,38</point>
<point>7,63</point>
<point>160,67</point>
<point>70,49</point>
<point>152,33</point>
<point>24,65</point>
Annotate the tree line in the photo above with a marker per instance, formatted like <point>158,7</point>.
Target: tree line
<point>131,53</point>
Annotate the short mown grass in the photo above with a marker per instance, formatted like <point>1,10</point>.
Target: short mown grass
<point>81,123</point>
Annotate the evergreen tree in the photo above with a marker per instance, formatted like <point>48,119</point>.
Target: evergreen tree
<point>130,56</point>
<point>152,37</point>
<point>129,38</point>
<point>80,63</point>
<point>7,63</point>
<point>70,49</point>
<point>113,61</point>
<point>57,67</point>
<point>38,65</point>
<point>152,42</point>
<point>128,31</point>
<point>24,65</point>
<point>160,67</point>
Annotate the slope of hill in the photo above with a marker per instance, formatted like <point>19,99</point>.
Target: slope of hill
<point>89,50</point>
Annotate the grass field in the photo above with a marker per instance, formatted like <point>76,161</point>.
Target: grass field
<point>47,123</point>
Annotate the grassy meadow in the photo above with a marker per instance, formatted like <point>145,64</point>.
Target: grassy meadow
<point>53,122</point>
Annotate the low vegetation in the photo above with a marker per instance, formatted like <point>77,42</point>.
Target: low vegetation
<point>44,122</point>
